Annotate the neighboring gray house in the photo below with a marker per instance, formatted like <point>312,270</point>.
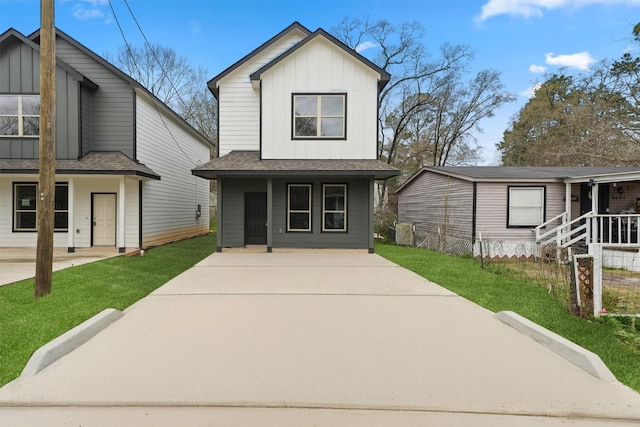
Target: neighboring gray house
<point>124,159</point>
<point>297,139</point>
<point>511,208</point>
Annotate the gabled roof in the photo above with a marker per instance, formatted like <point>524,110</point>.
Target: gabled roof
<point>384,76</point>
<point>12,33</point>
<point>248,163</point>
<point>35,37</point>
<point>527,173</point>
<point>94,163</point>
<point>295,27</point>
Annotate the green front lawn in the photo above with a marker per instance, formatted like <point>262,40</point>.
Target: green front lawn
<point>498,292</point>
<point>80,292</point>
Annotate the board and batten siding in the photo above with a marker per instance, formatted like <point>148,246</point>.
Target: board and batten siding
<point>436,204</point>
<point>20,75</point>
<point>113,103</point>
<point>171,150</point>
<point>321,67</point>
<point>239,101</point>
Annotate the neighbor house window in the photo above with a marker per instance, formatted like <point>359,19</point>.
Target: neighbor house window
<point>526,206</point>
<point>19,115</point>
<point>334,207</point>
<point>299,207</point>
<point>319,116</point>
<point>24,207</point>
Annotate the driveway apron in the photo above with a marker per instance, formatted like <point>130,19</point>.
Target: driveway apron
<point>312,338</point>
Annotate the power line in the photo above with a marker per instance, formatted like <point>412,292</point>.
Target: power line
<point>164,73</point>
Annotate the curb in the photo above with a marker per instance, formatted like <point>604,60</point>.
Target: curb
<point>69,341</point>
<point>579,356</point>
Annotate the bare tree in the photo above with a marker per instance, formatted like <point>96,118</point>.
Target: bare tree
<point>426,110</point>
<point>172,79</point>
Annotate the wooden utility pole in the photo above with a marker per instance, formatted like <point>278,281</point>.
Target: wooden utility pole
<point>47,179</point>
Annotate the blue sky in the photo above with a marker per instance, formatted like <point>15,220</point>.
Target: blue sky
<point>522,39</point>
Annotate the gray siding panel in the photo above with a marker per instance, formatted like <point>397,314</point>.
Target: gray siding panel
<point>113,104</point>
<point>356,237</point>
<point>435,202</point>
<point>86,120</point>
<point>233,208</point>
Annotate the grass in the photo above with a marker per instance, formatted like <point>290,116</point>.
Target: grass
<point>78,293</point>
<point>501,291</point>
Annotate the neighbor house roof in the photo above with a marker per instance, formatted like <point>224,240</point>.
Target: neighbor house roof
<point>94,163</point>
<point>248,163</point>
<point>134,84</point>
<point>528,173</point>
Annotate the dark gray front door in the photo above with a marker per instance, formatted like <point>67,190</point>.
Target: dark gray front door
<point>255,218</point>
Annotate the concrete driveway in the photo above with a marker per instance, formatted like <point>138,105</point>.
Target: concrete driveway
<point>312,339</point>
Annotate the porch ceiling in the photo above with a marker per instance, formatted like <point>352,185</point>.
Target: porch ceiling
<point>248,163</point>
<point>94,163</point>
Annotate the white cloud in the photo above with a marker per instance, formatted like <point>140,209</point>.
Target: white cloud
<point>89,9</point>
<point>365,45</point>
<point>531,91</point>
<point>580,60</point>
<point>537,69</point>
<point>536,8</point>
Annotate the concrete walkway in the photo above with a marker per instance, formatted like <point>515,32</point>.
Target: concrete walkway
<point>18,264</point>
<point>312,339</point>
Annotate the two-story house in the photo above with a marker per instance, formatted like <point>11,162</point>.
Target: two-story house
<point>123,158</point>
<point>297,140</point>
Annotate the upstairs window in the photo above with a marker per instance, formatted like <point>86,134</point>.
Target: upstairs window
<point>19,116</point>
<point>24,207</point>
<point>526,206</point>
<point>319,116</point>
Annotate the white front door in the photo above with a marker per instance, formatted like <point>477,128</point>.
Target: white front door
<point>104,219</point>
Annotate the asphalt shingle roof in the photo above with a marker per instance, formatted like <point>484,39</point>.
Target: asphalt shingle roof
<point>248,163</point>
<point>109,163</point>
<point>529,172</point>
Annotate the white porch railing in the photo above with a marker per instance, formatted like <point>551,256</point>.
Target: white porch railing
<point>614,230</point>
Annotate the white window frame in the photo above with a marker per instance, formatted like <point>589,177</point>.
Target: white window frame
<point>319,116</point>
<point>325,210</point>
<point>299,211</point>
<point>526,206</point>
<point>16,205</point>
<point>20,116</point>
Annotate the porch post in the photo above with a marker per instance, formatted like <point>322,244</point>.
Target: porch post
<point>219,212</point>
<point>121,216</point>
<point>567,200</point>
<point>597,279</point>
<point>371,215</point>
<point>595,232</point>
<point>71,224</point>
<point>269,214</point>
